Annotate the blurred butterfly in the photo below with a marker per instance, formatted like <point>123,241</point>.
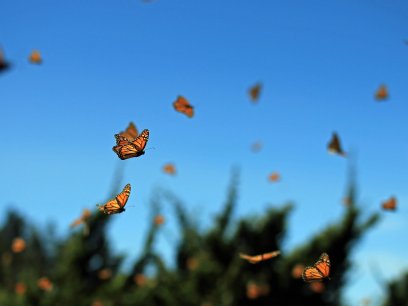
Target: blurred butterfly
<point>390,204</point>
<point>258,258</point>
<point>254,92</point>
<point>126,149</point>
<point>334,145</point>
<point>319,271</point>
<point>130,133</point>
<point>382,93</point>
<point>35,57</point>
<point>4,65</point>
<point>169,169</point>
<point>183,106</point>
<point>116,205</point>
<point>256,146</point>
<point>86,214</point>
<point>274,177</point>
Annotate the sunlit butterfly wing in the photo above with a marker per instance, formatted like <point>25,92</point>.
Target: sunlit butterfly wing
<point>126,149</point>
<point>382,93</point>
<point>183,106</point>
<point>116,205</point>
<point>255,91</point>
<point>319,271</point>
<point>35,57</point>
<point>334,145</point>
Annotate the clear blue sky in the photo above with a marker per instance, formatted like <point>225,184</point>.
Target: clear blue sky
<point>110,62</point>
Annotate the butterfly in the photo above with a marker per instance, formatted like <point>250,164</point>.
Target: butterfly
<point>183,106</point>
<point>169,169</point>
<point>86,214</point>
<point>256,146</point>
<point>382,93</point>
<point>35,57</point>
<point>319,271</point>
<point>4,65</point>
<point>258,258</point>
<point>130,133</point>
<point>274,177</point>
<point>116,205</point>
<point>334,145</point>
<point>126,149</point>
<point>390,204</point>
<point>254,92</point>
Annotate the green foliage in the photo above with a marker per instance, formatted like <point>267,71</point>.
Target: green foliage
<point>397,292</point>
<point>207,268</point>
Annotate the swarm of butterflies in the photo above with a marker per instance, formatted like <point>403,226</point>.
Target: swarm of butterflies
<point>130,144</point>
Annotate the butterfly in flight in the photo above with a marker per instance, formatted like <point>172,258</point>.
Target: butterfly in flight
<point>116,205</point>
<point>183,106</point>
<point>258,258</point>
<point>169,169</point>
<point>319,271</point>
<point>390,204</point>
<point>4,65</point>
<point>382,93</point>
<point>274,177</point>
<point>334,145</point>
<point>129,143</point>
<point>35,57</point>
<point>254,92</point>
<point>256,146</point>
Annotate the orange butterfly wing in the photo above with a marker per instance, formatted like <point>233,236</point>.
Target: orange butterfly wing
<point>319,271</point>
<point>390,204</point>
<point>183,106</point>
<point>35,57</point>
<point>382,93</point>
<point>258,258</point>
<point>255,91</point>
<point>116,205</point>
<point>126,149</point>
<point>130,133</point>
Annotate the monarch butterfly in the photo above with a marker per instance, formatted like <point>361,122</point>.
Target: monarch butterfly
<point>183,106</point>
<point>35,57</point>
<point>256,146</point>
<point>319,271</point>
<point>258,258</point>
<point>4,65</point>
<point>169,169</point>
<point>254,92</point>
<point>116,205</point>
<point>390,204</point>
<point>274,177</point>
<point>130,133</point>
<point>382,93</point>
<point>126,149</point>
<point>334,145</point>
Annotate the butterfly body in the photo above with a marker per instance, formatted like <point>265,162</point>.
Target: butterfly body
<point>127,148</point>
<point>116,205</point>
<point>319,271</point>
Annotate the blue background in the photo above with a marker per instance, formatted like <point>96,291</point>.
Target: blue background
<point>107,63</point>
